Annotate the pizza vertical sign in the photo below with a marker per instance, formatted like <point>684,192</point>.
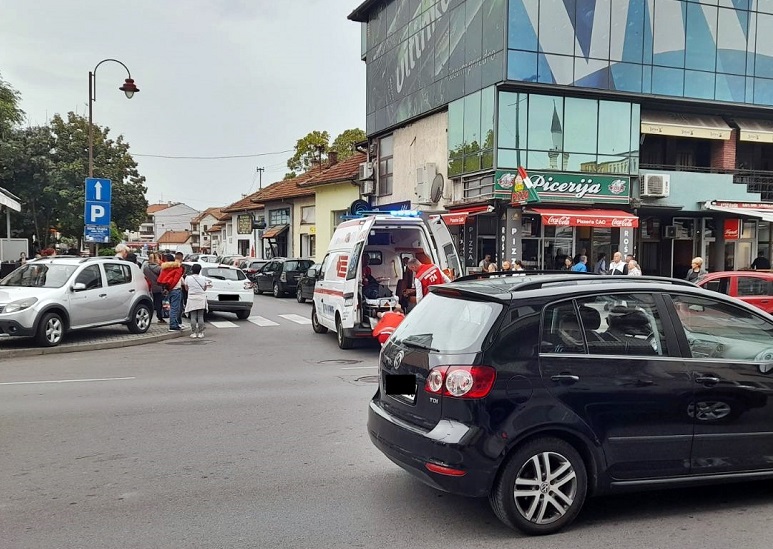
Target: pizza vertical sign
<point>515,186</point>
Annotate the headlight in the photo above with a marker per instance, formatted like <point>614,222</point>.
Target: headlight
<point>20,305</point>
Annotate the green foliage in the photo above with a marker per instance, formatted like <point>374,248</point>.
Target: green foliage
<point>107,252</point>
<point>308,148</point>
<point>290,175</point>
<point>344,143</point>
<point>10,113</point>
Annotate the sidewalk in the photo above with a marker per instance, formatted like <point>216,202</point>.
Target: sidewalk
<point>109,337</point>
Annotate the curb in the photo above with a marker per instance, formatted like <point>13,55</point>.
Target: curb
<point>75,348</point>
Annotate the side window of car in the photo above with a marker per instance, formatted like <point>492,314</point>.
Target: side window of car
<point>117,273</point>
<point>519,338</point>
<point>715,329</point>
<point>561,331</point>
<point>323,270</point>
<point>90,276</point>
<point>721,285</point>
<point>752,286</point>
<point>622,324</point>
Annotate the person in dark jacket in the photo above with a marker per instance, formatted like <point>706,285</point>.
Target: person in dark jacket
<point>151,270</point>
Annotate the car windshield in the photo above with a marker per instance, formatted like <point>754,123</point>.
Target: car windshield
<point>39,275</point>
<point>302,265</point>
<point>448,324</point>
<point>223,274</point>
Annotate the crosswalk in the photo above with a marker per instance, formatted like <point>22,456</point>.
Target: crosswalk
<point>260,321</point>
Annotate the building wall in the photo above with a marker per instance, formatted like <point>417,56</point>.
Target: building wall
<point>329,199</point>
<point>173,218</point>
<point>299,228</point>
<point>689,190</point>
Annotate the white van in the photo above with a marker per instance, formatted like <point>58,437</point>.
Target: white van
<point>339,301</point>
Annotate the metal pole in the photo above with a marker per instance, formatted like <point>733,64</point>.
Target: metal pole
<point>91,124</point>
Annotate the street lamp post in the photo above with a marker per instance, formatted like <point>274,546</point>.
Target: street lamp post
<point>129,88</point>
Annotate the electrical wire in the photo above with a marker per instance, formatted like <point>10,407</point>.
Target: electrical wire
<point>172,157</point>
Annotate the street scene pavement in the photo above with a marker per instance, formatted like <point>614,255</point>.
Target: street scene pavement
<point>256,437</point>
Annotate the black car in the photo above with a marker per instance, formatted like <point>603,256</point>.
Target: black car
<point>280,275</point>
<point>534,391</point>
<point>306,284</point>
<point>251,267</point>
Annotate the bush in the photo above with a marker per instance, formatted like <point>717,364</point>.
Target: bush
<point>106,252</point>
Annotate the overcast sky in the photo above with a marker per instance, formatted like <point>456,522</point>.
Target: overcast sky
<point>216,78</point>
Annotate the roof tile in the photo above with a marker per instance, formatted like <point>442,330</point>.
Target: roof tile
<point>174,237</point>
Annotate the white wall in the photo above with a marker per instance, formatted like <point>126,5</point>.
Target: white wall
<point>173,218</point>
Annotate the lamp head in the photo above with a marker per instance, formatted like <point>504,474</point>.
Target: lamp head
<point>129,88</point>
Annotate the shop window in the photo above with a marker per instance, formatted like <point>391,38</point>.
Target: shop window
<point>385,165</point>
<point>308,215</point>
<point>277,217</point>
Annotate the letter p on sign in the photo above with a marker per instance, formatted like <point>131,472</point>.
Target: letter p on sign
<point>97,213</point>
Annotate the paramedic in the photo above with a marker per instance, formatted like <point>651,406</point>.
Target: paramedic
<point>424,276</point>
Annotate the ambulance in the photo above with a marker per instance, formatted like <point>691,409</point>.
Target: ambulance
<point>349,305</point>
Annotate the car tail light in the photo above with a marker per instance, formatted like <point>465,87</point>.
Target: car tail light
<point>443,470</point>
<point>248,285</point>
<point>283,277</point>
<point>461,381</point>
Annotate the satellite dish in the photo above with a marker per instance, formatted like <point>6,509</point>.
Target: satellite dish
<point>436,190</point>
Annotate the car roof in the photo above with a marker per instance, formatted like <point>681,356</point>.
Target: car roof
<point>719,274</point>
<point>504,287</point>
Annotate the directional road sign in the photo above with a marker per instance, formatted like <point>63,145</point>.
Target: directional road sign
<point>98,195</point>
<point>98,190</point>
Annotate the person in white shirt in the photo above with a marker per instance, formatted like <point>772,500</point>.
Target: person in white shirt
<point>633,268</point>
<point>618,266</point>
<point>197,300</point>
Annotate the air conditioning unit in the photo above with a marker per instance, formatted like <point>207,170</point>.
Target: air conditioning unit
<point>669,231</point>
<point>424,177</point>
<point>365,171</point>
<point>368,187</point>
<point>656,186</point>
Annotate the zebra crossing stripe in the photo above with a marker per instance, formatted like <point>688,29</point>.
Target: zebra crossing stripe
<point>298,319</point>
<point>223,324</point>
<point>261,321</point>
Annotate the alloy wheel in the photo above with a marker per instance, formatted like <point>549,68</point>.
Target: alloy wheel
<point>545,488</point>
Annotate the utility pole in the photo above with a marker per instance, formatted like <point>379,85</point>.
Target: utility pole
<point>255,231</point>
<point>260,174</point>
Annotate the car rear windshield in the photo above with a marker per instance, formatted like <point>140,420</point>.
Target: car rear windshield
<point>298,265</point>
<point>450,325</point>
<point>41,276</point>
<point>223,274</point>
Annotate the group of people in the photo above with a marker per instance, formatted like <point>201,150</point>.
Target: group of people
<point>618,266</point>
<point>489,266</point>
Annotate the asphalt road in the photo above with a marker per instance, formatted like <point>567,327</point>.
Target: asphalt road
<point>255,437</point>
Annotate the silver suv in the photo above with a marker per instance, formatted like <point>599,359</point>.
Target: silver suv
<point>47,298</point>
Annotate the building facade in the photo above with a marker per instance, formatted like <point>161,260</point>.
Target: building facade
<point>646,125</point>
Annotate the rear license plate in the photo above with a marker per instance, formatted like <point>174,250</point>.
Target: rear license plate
<point>228,297</point>
<point>401,386</point>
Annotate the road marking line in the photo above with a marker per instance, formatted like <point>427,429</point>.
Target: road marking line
<point>223,324</point>
<point>359,367</point>
<point>66,381</point>
<point>298,319</point>
<point>262,321</point>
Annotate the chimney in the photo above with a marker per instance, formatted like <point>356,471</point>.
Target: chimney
<point>332,158</point>
<point>315,163</point>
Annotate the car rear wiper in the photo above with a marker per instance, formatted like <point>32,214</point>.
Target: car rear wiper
<point>417,345</point>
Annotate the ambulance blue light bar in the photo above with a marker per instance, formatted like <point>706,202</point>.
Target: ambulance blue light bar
<point>394,213</point>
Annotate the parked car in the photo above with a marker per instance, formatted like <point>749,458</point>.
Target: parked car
<point>47,298</point>
<point>753,287</point>
<point>231,291</point>
<point>231,260</point>
<point>307,282</point>
<point>280,276</point>
<point>526,389</point>
<point>251,268</point>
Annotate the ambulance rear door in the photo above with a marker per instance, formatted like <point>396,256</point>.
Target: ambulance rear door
<point>448,257</point>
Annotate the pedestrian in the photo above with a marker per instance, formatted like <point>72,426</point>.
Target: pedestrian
<point>131,257</point>
<point>492,267</point>
<point>172,278</point>
<point>579,255</point>
<point>388,323</point>
<point>507,266</point>
<point>424,276</point>
<point>601,264</point>
<point>696,271</point>
<point>618,266</point>
<point>567,266</point>
<point>485,262</point>
<point>121,251</point>
<point>580,266</point>
<point>633,268</point>
<point>405,286</point>
<point>151,270</point>
<point>22,259</point>
<point>760,262</point>
<point>519,265</point>
<point>197,286</point>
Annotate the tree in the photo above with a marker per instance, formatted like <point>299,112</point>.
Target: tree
<point>344,143</point>
<point>312,146</point>
<point>10,113</point>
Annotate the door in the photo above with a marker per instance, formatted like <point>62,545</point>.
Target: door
<point>265,277</point>
<point>87,306</point>
<point>120,290</point>
<point>444,244</point>
<point>608,359</point>
<point>326,287</point>
<point>755,290</point>
<point>729,354</point>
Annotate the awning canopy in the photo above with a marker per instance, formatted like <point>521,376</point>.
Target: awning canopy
<point>276,230</point>
<point>700,126</point>
<point>737,209</point>
<point>760,131</point>
<point>586,218</point>
<point>459,217</point>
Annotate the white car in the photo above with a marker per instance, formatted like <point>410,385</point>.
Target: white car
<point>231,290</point>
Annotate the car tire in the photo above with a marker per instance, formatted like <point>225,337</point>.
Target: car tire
<point>299,296</point>
<point>257,290</point>
<point>278,291</point>
<point>552,481</point>
<point>315,325</point>
<point>343,341</point>
<point>142,316</point>
<point>243,315</point>
<point>50,330</point>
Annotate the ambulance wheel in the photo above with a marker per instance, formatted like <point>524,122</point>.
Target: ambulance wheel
<point>343,341</point>
<point>315,325</point>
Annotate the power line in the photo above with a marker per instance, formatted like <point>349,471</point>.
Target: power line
<point>210,157</point>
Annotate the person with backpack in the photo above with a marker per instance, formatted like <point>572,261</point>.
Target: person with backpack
<point>171,278</point>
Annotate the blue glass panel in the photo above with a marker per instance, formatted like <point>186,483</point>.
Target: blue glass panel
<point>700,50</point>
<point>633,22</point>
<point>667,81</point>
<point>592,26</point>
<point>731,42</point>
<point>699,84</point>
<point>521,35</point>
<point>669,32</point>
<point>750,41</point>
<point>508,158</point>
<point>646,82</point>
<point>763,91</point>
<point>521,65</point>
<point>763,64</point>
<point>592,73</point>
<point>737,4</point>
<point>750,89</point>
<point>546,129</point>
<point>648,38</point>
<point>730,88</point>
<point>555,69</point>
<point>556,34</point>
<point>511,125</point>
<point>626,77</point>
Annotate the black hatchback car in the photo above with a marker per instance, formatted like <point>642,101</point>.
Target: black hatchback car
<point>539,390</point>
<point>280,275</point>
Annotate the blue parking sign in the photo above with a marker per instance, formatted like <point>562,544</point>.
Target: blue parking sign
<point>98,190</point>
<point>97,213</point>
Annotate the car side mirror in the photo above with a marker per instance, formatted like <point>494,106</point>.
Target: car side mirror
<point>78,287</point>
<point>312,273</point>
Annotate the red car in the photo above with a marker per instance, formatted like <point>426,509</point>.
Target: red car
<point>753,287</point>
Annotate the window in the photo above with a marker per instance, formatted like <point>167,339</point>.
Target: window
<point>229,228</point>
<point>471,133</point>
<point>118,273</point>
<point>720,285</point>
<point>752,286</point>
<point>91,277</point>
<point>278,217</point>
<point>721,330</point>
<point>385,165</point>
<point>338,218</point>
<point>308,215</point>
<point>221,273</point>
<point>519,340</point>
<point>561,332</point>
<point>205,228</point>
<point>308,245</point>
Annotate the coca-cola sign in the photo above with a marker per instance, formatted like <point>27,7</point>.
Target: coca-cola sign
<point>588,218</point>
<point>558,220</point>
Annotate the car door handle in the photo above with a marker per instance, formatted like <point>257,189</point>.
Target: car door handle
<point>706,379</point>
<point>102,295</point>
<point>565,378</point>
<point>132,291</point>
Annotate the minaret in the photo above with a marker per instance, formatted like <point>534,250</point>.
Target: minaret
<point>558,138</point>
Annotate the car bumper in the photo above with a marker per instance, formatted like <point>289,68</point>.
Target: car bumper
<point>14,328</point>
<point>229,306</point>
<point>412,448</point>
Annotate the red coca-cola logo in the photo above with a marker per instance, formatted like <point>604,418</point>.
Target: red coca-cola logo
<point>623,222</point>
<point>562,220</point>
